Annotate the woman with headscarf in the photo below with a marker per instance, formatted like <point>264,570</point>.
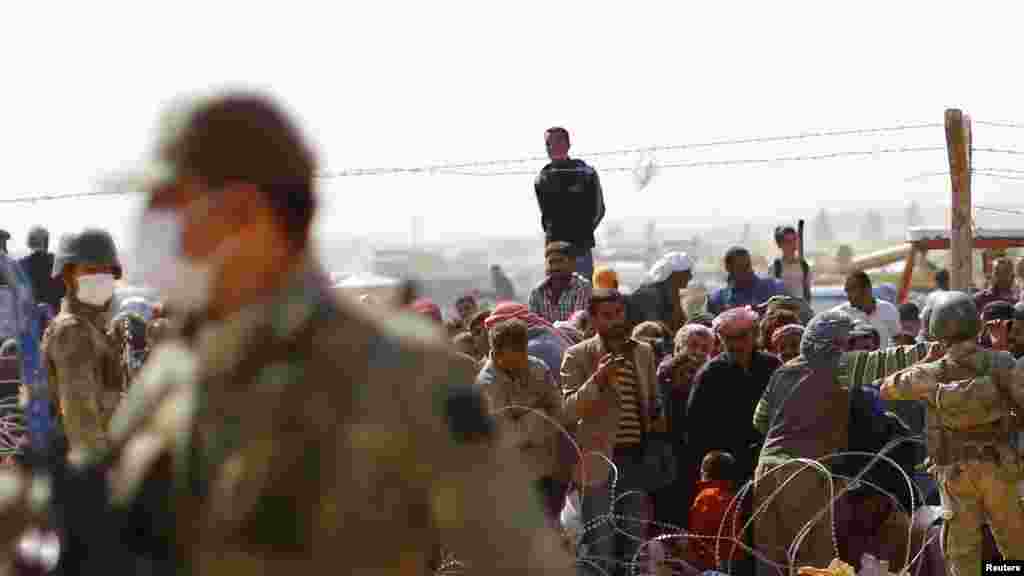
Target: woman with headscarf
<point>785,341</point>
<point>659,298</point>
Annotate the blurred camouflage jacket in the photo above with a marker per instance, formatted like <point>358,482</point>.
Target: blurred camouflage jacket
<point>305,435</point>
<point>84,373</point>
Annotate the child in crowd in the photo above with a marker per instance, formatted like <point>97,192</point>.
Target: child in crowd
<point>714,506</point>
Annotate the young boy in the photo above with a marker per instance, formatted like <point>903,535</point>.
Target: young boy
<point>517,386</point>
<point>714,506</point>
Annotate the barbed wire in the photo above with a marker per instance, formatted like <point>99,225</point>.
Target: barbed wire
<point>999,124</point>
<point>993,209</point>
<point>45,197</point>
<point>457,166</point>
<point>729,162</point>
<point>999,150</point>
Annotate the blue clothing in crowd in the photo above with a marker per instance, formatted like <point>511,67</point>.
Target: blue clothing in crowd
<point>732,297</point>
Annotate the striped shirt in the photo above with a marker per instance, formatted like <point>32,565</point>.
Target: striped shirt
<point>629,405</point>
<point>575,296</point>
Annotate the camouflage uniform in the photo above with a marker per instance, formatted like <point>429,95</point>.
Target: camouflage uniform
<point>973,397</point>
<point>305,437</point>
<point>84,374</point>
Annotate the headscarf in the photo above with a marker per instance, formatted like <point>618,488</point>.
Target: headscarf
<point>605,277</point>
<point>517,311</point>
<point>569,331</point>
<point>426,307</point>
<point>821,345</point>
<point>735,320</point>
<point>787,330</point>
<point>795,305</point>
<point>669,264</point>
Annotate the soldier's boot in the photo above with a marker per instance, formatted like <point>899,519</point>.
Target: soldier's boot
<point>961,532</point>
<point>1005,510</point>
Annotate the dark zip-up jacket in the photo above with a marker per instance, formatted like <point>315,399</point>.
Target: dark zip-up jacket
<point>571,202</point>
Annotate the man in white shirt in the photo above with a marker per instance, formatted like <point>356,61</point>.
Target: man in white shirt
<point>863,305</point>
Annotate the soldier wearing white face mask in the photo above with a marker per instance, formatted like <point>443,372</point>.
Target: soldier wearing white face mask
<point>80,357</point>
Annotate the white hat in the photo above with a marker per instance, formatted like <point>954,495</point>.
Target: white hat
<point>669,264</point>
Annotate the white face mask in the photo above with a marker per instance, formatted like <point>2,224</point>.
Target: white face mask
<point>96,289</point>
<point>163,267</point>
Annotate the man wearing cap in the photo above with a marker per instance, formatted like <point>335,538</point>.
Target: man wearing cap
<point>744,287</point>
<point>38,266</point>
<point>571,201</point>
<point>659,298</point>
<point>288,431</point>
<point>83,369</point>
<point>563,291</point>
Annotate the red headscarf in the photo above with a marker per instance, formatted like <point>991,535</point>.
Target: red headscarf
<point>517,311</point>
<point>426,307</point>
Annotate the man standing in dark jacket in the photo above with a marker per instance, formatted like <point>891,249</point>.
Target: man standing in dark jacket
<point>570,199</point>
<point>38,266</point>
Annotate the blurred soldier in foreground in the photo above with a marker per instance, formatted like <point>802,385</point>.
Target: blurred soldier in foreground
<point>80,357</point>
<point>975,398</point>
<point>288,432</point>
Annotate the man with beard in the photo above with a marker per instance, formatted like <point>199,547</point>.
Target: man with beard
<point>563,291</point>
<point>608,387</point>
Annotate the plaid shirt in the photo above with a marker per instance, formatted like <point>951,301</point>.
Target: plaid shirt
<point>576,296</point>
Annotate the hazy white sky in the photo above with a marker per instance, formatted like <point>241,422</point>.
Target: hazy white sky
<point>385,83</point>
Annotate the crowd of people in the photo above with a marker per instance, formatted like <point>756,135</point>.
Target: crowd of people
<point>727,438</point>
<point>254,422</point>
<point>678,414</point>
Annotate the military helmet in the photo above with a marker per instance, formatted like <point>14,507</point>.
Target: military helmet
<point>38,238</point>
<point>91,246</point>
<point>954,318</point>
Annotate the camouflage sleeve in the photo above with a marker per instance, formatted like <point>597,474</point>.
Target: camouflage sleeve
<point>866,368</point>
<point>1015,385</point>
<point>80,393</point>
<point>763,411</point>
